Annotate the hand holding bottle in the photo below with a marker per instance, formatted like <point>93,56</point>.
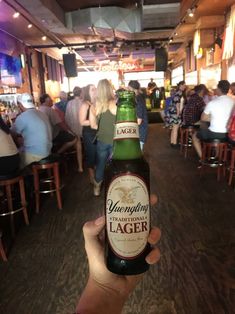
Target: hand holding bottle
<point>107,292</point>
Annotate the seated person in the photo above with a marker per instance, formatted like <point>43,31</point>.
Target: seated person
<point>9,155</point>
<point>217,112</point>
<point>63,138</point>
<point>194,107</point>
<point>35,130</point>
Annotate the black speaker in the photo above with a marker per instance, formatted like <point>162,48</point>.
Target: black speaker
<point>161,59</point>
<point>70,64</point>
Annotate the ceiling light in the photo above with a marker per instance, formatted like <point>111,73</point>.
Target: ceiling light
<point>44,38</point>
<point>176,34</point>
<point>171,40</point>
<point>30,25</point>
<point>16,14</point>
<point>191,12</point>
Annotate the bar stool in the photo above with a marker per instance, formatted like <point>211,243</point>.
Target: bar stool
<point>2,251</point>
<point>51,164</point>
<point>9,182</point>
<point>214,155</point>
<point>232,166</point>
<point>186,133</point>
<point>67,158</point>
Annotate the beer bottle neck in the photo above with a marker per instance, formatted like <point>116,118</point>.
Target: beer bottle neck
<point>126,143</point>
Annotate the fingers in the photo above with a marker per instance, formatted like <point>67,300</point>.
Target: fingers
<point>153,257</point>
<point>153,238</point>
<point>154,235</point>
<point>153,199</point>
<point>91,231</point>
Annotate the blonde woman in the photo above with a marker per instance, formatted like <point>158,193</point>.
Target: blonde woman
<point>102,118</point>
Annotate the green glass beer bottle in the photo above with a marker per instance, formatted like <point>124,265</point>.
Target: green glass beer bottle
<point>127,205</point>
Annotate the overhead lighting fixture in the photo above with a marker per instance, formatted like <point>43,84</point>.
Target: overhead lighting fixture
<point>15,15</point>
<point>171,40</point>
<point>191,12</point>
<point>44,38</point>
<point>30,25</point>
<point>176,34</point>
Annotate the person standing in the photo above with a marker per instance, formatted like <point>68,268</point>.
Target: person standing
<point>175,110</point>
<point>88,134</point>
<point>102,118</point>
<point>73,122</point>
<point>152,88</point>
<point>34,126</point>
<point>141,111</point>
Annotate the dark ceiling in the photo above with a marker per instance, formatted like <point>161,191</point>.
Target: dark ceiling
<point>71,5</point>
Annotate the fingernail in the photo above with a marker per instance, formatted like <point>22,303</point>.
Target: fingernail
<point>99,221</point>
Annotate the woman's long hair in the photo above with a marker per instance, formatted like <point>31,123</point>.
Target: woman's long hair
<point>104,96</point>
<point>86,93</point>
<point>3,126</point>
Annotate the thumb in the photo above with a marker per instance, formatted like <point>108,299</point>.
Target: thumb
<point>91,231</point>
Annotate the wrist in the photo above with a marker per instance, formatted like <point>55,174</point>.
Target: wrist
<point>99,298</point>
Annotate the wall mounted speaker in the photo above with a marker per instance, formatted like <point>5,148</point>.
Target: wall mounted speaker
<point>161,59</point>
<point>70,64</point>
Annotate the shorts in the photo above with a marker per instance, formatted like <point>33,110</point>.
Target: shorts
<point>28,158</point>
<point>9,164</point>
<point>62,138</point>
<point>206,134</point>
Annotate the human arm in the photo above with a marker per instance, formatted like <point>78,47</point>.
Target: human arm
<point>106,292</point>
<point>93,118</point>
<point>56,120</point>
<point>206,114</point>
<point>139,109</point>
<point>83,115</point>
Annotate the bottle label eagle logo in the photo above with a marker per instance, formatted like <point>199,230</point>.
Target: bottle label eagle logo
<point>127,215</point>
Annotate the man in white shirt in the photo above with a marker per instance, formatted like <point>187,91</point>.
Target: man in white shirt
<point>217,112</point>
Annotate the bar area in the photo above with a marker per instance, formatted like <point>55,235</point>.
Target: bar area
<point>117,157</point>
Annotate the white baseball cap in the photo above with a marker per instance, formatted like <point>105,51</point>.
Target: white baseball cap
<point>26,100</point>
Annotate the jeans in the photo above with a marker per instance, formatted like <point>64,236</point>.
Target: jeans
<point>90,149</point>
<point>103,151</point>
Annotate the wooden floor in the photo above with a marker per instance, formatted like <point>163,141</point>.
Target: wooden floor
<point>47,267</point>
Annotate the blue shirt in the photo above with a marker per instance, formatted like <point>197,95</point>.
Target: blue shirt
<point>35,129</point>
<point>62,105</point>
<point>141,112</point>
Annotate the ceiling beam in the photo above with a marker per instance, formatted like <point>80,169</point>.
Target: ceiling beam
<point>159,40</point>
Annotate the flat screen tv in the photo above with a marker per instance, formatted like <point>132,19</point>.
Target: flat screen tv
<point>10,70</point>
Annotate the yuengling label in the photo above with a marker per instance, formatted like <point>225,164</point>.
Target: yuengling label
<point>127,215</point>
